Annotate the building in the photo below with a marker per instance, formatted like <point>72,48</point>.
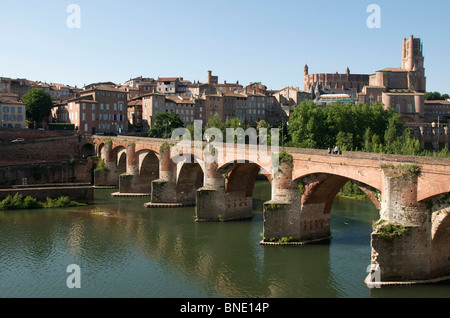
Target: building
<point>152,104</point>
<point>18,86</point>
<point>213,104</point>
<point>335,81</point>
<point>13,112</point>
<point>275,114</point>
<point>210,79</point>
<point>188,108</point>
<point>135,115</point>
<point>60,91</point>
<point>5,85</point>
<point>437,111</point>
<point>171,85</point>
<point>100,108</point>
<point>288,98</point>
<point>402,88</point>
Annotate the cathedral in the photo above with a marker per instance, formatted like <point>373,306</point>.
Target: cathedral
<point>400,88</point>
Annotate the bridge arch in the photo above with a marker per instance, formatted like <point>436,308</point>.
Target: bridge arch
<point>439,208</point>
<point>87,150</point>
<point>323,187</point>
<point>241,176</point>
<point>100,150</point>
<point>119,153</point>
<point>190,178</point>
<point>240,179</point>
<point>148,168</point>
<point>318,192</point>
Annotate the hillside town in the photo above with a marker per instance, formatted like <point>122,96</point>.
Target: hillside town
<point>131,107</point>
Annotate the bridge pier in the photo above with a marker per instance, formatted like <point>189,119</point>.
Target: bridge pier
<point>130,182</point>
<point>282,214</point>
<point>164,189</point>
<point>402,239</point>
<point>213,203</point>
<point>110,175</point>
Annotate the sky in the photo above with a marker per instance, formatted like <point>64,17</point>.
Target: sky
<point>246,40</point>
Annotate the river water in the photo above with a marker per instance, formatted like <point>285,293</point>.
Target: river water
<point>162,253</point>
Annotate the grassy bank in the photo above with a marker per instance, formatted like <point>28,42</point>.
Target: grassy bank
<point>352,191</point>
<point>18,202</point>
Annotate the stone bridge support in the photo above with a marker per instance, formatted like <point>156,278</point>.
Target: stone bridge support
<point>403,248</point>
<point>282,214</point>
<point>164,189</point>
<point>130,182</point>
<point>109,176</point>
<point>211,198</point>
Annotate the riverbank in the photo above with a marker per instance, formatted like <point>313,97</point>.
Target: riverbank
<point>19,202</point>
<point>359,197</point>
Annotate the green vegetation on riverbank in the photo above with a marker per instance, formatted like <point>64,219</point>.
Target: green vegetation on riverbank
<point>352,191</point>
<point>18,202</point>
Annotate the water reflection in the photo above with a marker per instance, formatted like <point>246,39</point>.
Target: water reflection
<point>139,252</point>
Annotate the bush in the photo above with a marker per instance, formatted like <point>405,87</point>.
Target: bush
<point>31,203</point>
<point>61,202</point>
<point>17,202</point>
<point>101,166</point>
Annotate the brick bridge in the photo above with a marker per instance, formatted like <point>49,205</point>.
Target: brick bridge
<point>409,242</point>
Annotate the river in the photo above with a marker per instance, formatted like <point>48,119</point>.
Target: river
<point>163,253</point>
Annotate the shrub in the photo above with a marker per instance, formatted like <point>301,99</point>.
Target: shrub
<point>31,203</point>
<point>101,166</point>
<point>18,202</point>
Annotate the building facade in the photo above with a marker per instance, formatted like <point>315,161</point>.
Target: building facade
<point>402,89</point>
<point>100,109</point>
<point>13,112</point>
<point>339,81</point>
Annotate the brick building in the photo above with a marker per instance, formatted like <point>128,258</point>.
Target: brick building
<point>13,113</point>
<point>99,109</point>
<point>400,88</point>
<point>339,81</point>
<point>437,110</point>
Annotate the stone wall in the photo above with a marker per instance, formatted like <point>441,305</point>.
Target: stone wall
<point>7,135</point>
<point>37,150</point>
<point>65,171</point>
<point>84,194</point>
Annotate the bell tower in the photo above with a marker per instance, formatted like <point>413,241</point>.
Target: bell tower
<point>413,61</point>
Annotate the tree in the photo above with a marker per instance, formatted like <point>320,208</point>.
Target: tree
<point>215,122</point>
<point>344,141</point>
<point>436,96</point>
<point>307,127</point>
<point>38,105</point>
<point>393,132</point>
<point>164,124</point>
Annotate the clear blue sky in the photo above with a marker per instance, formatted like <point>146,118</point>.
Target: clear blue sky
<point>245,40</point>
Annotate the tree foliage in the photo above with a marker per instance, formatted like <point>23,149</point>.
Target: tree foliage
<point>351,128</point>
<point>38,105</point>
<point>436,96</point>
<point>164,124</point>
